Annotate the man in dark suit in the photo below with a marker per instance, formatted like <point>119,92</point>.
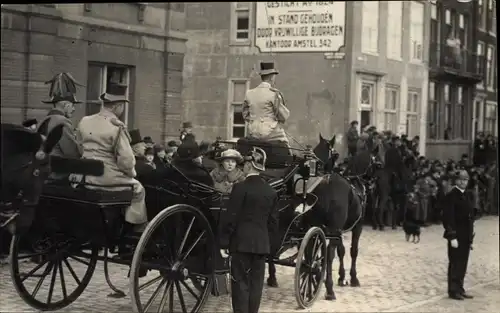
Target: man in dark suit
<point>250,223</point>
<point>458,222</point>
<point>395,168</point>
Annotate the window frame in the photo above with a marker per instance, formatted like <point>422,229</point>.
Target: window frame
<point>393,92</point>
<point>448,116</point>
<point>231,104</point>
<point>433,111</point>
<point>480,53</point>
<point>417,55</point>
<point>103,86</point>
<point>369,30</point>
<point>460,113</point>
<point>249,11</point>
<point>414,114</point>
<point>490,68</point>
<point>492,129</point>
<point>395,32</point>
<point>491,18</point>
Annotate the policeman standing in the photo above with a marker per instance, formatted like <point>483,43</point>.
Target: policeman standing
<point>250,223</point>
<point>458,222</point>
<point>264,108</point>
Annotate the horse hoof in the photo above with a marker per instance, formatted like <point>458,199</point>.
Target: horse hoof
<point>355,283</point>
<point>272,283</point>
<point>330,297</point>
<point>381,228</point>
<point>342,282</point>
<point>374,227</point>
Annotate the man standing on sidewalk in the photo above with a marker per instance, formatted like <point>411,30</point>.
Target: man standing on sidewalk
<point>458,222</point>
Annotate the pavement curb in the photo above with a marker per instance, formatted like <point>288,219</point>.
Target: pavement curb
<point>413,305</point>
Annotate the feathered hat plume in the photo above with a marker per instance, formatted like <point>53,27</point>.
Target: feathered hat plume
<point>62,88</point>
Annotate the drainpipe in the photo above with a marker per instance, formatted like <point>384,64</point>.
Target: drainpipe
<point>165,75</point>
<point>27,64</point>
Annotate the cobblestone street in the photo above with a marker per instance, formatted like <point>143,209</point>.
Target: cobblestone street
<point>395,276</point>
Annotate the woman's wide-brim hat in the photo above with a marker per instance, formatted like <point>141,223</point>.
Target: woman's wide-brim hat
<point>268,68</point>
<point>231,154</point>
<point>115,93</point>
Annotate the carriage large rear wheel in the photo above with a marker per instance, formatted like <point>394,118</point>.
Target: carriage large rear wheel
<point>177,248</point>
<point>58,258</point>
<point>310,267</point>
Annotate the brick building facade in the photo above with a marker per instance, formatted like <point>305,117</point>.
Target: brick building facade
<point>379,81</point>
<point>462,75</point>
<point>141,45</point>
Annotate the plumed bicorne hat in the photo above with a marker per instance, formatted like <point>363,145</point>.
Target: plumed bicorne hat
<point>258,158</point>
<point>62,88</point>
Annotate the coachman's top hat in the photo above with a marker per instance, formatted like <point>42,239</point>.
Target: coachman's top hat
<point>267,68</point>
<point>135,137</point>
<point>187,125</point>
<point>115,93</point>
<point>62,88</point>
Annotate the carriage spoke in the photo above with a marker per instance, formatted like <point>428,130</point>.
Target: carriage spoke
<point>52,283</point>
<point>33,271</point>
<point>63,282</point>
<point>40,282</point>
<point>190,290</point>
<point>171,298</point>
<point>193,245</point>
<point>166,296</point>
<point>180,296</point>
<point>79,260</point>
<point>154,295</point>
<point>31,255</point>
<point>150,283</point>
<point>72,271</point>
<point>183,242</point>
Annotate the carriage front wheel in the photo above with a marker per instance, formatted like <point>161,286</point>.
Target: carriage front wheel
<point>176,248</point>
<point>53,271</point>
<point>310,267</point>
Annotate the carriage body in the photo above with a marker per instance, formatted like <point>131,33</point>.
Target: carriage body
<point>179,244</point>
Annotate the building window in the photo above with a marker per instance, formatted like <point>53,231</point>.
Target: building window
<point>99,78</point>
<point>394,33</point>
<point>490,118</point>
<point>412,109</point>
<point>390,109</point>
<point>479,62</point>
<point>369,41</point>
<point>462,29</point>
<point>447,112</point>
<point>447,17</point>
<point>433,11</point>
<point>461,125</point>
<point>241,22</point>
<point>366,102</point>
<point>432,112</point>
<point>481,15</point>
<point>417,30</point>
<point>490,68</point>
<point>237,92</point>
<point>492,17</point>
<point>478,115</point>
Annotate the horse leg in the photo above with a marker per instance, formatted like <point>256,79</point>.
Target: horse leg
<point>356,234</point>
<point>330,255</point>
<point>271,280</point>
<point>341,253</point>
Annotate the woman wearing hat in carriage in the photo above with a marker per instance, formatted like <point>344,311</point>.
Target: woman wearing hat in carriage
<point>160,156</point>
<point>139,148</point>
<point>105,138</point>
<point>187,132</point>
<point>264,108</point>
<point>227,173</point>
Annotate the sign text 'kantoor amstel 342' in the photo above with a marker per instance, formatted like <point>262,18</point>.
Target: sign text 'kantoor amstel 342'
<point>300,26</point>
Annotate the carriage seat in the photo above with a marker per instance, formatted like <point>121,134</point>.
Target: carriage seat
<point>84,193</point>
<point>278,154</point>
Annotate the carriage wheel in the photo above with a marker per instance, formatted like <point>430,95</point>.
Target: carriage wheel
<point>57,258</point>
<point>177,247</point>
<point>310,268</point>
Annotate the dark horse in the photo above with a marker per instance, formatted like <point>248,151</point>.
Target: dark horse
<point>339,209</point>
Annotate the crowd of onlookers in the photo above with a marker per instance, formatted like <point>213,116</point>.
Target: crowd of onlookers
<point>430,180</point>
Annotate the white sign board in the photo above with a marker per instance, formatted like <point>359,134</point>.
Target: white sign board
<point>300,26</point>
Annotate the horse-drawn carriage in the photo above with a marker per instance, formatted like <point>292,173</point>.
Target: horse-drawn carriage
<point>176,256</point>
